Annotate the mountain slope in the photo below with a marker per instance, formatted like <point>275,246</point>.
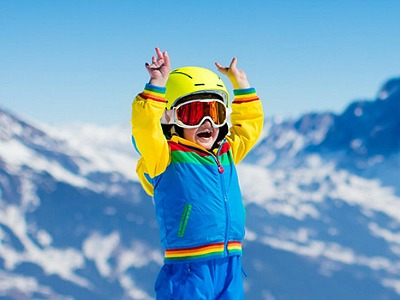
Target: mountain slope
<point>67,217</point>
<point>322,187</point>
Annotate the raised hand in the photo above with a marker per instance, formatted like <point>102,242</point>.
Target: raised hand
<point>237,77</point>
<point>159,68</point>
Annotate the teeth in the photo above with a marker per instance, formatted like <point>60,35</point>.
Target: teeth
<point>205,134</point>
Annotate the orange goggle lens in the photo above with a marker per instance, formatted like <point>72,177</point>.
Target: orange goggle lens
<point>192,113</point>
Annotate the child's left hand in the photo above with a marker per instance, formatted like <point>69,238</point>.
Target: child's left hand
<point>237,77</point>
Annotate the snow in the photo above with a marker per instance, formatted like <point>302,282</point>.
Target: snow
<point>102,248</point>
<point>358,111</point>
<point>17,156</point>
<point>333,252</point>
<point>44,238</point>
<point>99,249</point>
<point>106,149</point>
<point>25,286</point>
<point>131,290</point>
<point>92,148</point>
<point>392,283</point>
<point>138,256</point>
<point>62,262</point>
<point>29,199</point>
<point>289,193</point>
<point>387,235</point>
<point>367,193</point>
<point>293,192</point>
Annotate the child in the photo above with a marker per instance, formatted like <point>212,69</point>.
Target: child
<point>179,127</point>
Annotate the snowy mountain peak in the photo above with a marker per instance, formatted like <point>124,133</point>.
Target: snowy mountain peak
<point>364,130</point>
<point>70,154</point>
<point>12,127</point>
<point>369,128</point>
<point>390,89</point>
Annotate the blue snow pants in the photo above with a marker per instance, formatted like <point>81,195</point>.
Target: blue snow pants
<point>213,279</point>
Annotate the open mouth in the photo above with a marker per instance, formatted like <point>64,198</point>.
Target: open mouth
<point>205,134</point>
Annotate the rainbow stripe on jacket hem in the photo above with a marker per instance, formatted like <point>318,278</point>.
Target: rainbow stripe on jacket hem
<point>203,252</point>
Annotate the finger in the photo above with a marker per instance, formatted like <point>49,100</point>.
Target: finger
<point>233,63</point>
<point>159,53</point>
<point>149,68</point>
<point>166,59</point>
<point>153,59</point>
<point>220,67</point>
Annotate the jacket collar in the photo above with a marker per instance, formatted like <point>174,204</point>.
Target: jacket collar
<point>180,140</point>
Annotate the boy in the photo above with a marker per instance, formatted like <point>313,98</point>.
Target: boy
<point>179,127</point>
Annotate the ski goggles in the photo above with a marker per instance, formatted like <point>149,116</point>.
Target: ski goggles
<point>193,113</point>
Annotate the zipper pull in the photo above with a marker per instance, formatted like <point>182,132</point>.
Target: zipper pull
<point>220,168</point>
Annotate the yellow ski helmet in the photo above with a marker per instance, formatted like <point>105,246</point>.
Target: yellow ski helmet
<point>193,80</point>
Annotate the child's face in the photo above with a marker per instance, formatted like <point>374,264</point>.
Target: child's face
<point>205,135</point>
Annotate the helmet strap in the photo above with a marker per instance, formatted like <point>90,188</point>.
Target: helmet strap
<point>176,130</point>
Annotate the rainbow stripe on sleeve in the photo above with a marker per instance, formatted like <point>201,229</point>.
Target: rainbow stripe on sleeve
<point>153,92</point>
<point>245,95</point>
<point>207,251</point>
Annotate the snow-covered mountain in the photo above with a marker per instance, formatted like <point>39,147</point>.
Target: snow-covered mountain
<point>322,196</point>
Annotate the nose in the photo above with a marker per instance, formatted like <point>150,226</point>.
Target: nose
<point>208,121</point>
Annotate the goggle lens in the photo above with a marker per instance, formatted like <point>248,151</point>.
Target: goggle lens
<point>193,113</point>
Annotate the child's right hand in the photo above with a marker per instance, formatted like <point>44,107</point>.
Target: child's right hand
<point>159,69</point>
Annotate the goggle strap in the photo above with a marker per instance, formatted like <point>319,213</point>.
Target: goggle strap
<point>168,117</point>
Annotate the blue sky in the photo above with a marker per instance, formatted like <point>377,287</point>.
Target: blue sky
<point>83,61</point>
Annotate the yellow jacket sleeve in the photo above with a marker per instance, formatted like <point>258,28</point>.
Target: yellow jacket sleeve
<point>247,120</point>
<point>147,135</point>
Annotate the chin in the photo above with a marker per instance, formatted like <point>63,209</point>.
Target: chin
<point>207,145</point>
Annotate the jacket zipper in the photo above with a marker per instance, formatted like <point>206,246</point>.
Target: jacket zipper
<point>226,203</point>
